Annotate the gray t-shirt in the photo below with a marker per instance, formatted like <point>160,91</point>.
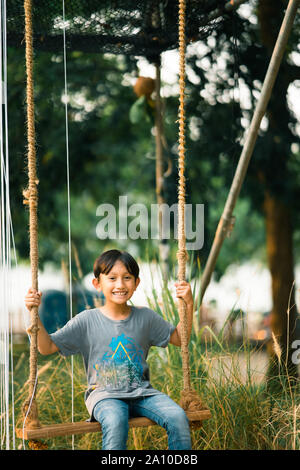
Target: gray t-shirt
<point>114,351</point>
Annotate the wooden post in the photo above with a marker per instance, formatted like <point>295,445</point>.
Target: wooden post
<point>163,245</point>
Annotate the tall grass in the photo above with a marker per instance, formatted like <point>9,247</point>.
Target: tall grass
<point>245,415</point>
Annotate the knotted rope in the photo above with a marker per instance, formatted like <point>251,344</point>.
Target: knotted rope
<point>189,398</point>
<point>31,198</point>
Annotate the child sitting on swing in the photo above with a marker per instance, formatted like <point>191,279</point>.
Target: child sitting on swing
<point>114,342</point>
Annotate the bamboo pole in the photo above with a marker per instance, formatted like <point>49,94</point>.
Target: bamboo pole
<point>226,219</point>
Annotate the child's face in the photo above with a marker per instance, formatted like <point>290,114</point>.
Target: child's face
<point>118,285</point>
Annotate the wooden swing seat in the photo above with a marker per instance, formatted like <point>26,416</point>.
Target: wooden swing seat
<point>84,427</point>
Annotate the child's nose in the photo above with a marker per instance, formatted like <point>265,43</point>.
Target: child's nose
<point>120,283</point>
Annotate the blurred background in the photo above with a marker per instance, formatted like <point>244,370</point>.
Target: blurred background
<point>108,104</point>
<point>112,148</point>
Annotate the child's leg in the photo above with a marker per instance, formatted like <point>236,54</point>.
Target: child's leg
<point>113,416</point>
<point>165,412</point>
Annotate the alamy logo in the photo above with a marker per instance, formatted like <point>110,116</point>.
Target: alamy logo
<point>296,353</point>
<point>135,222</point>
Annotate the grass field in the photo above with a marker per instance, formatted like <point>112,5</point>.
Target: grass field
<point>244,414</point>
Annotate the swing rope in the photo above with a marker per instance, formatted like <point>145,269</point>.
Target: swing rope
<point>31,199</point>
<point>190,401</point>
<point>181,253</point>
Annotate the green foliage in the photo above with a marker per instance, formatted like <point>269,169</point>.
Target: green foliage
<point>112,149</point>
<point>141,110</point>
<point>102,142</point>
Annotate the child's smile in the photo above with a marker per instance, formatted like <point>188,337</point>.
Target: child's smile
<point>120,295</point>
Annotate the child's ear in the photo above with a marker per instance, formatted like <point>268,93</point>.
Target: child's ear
<point>137,282</point>
<point>96,284</point>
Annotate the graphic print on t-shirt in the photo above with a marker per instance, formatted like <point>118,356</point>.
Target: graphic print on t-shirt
<point>121,367</point>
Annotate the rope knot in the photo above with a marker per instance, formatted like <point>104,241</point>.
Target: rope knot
<point>31,195</point>
<point>37,445</point>
<point>191,401</point>
<point>30,411</point>
<point>32,329</point>
<point>26,195</point>
<point>182,256</point>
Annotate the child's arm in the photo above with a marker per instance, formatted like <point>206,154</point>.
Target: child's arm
<point>44,342</point>
<point>183,290</point>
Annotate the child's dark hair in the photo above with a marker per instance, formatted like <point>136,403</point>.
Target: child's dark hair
<point>107,260</point>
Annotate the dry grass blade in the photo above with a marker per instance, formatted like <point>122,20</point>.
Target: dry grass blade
<point>277,348</point>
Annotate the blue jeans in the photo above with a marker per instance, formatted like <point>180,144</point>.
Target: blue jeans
<point>113,415</point>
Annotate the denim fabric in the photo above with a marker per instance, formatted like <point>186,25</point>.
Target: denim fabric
<point>113,415</point>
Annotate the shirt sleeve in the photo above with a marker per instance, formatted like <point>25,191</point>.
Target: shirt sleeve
<point>69,339</point>
<point>160,331</point>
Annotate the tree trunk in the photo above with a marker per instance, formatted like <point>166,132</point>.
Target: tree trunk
<point>278,218</point>
<point>281,265</point>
